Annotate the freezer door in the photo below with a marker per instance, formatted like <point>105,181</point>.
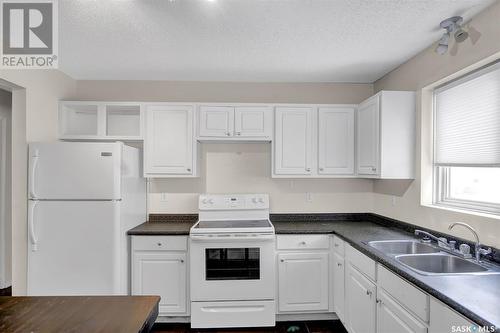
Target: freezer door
<point>74,170</point>
<point>74,248</point>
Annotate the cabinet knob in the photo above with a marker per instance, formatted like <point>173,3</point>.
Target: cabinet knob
<point>228,134</point>
<point>159,244</point>
<point>282,260</point>
<point>369,293</point>
<point>339,264</point>
<point>374,169</point>
<point>321,169</point>
<point>238,133</point>
<point>336,245</point>
<point>182,260</point>
<point>188,169</point>
<point>303,243</point>
<point>308,169</point>
<point>379,301</point>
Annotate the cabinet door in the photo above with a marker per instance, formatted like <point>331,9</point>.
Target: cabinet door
<point>336,141</point>
<point>216,121</point>
<point>393,318</point>
<point>303,281</point>
<point>253,121</point>
<point>445,320</point>
<point>368,136</point>
<point>162,274</point>
<point>168,146</point>
<point>293,141</point>
<point>360,302</point>
<point>339,286</point>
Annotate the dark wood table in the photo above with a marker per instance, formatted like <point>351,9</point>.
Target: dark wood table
<point>86,314</point>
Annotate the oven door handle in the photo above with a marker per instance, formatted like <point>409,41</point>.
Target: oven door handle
<point>214,238</point>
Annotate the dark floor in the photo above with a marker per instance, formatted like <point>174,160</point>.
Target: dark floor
<point>320,326</point>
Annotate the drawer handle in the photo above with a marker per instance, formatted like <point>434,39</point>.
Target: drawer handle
<point>159,244</point>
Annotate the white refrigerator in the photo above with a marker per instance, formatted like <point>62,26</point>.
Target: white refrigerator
<point>83,197</point>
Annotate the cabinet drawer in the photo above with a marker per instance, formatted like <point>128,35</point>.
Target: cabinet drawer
<point>178,243</point>
<point>299,242</point>
<point>338,245</point>
<point>411,297</point>
<point>364,264</point>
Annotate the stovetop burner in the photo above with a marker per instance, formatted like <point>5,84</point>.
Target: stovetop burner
<point>233,224</point>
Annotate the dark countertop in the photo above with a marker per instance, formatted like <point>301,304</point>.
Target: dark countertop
<point>85,314</point>
<point>475,296</point>
<point>162,228</point>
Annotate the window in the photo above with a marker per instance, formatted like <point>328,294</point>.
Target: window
<point>467,142</point>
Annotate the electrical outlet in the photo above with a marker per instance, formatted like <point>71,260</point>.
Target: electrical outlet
<point>393,201</point>
<point>309,197</point>
<point>163,197</point>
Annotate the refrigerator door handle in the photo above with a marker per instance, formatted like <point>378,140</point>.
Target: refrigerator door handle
<point>31,225</point>
<point>33,172</point>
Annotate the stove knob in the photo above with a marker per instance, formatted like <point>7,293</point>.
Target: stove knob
<point>204,201</point>
<point>261,200</point>
<point>254,200</point>
<point>211,201</point>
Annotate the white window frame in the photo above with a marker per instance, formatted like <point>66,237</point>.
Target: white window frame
<point>441,173</point>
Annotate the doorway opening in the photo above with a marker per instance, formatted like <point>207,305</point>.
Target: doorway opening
<point>5,192</point>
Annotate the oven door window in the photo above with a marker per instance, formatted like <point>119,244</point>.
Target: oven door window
<point>232,264</point>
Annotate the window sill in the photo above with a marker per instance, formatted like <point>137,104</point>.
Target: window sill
<point>462,211</point>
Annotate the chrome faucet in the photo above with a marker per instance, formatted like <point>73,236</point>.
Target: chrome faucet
<point>438,240</point>
<point>477,247</point>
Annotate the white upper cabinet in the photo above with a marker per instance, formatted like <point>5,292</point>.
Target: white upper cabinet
<point>336,141</point>
<point>386,136</point>
<point>253,121</point>
<point>368,134</point>
<point>237,123</point>
<point>216,121</point>
<point>293,142</point>
<point>169,145</point>
<point>100,121</point>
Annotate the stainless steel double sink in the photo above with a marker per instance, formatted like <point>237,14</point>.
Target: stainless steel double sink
<point>429,260</point>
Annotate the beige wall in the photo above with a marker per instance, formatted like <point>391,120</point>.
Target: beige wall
<point>35,96</point>
<point>243,167</point>
<point>420,71</point>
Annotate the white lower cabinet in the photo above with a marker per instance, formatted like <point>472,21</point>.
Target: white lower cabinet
<point>360,294</point>
<point>338,286</point>
<point>161,272</point>
<point>393,318</point>
<point>303,273</point>
<point>303,282</point>
<point>445,320</point>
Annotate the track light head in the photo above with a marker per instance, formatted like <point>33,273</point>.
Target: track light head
<point>452,25</point>
<point>461,35</point>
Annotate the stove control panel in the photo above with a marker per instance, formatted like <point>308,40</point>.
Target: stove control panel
<point>233,201</point>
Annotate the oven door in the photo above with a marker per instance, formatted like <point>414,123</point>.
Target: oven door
<point>232,267</point>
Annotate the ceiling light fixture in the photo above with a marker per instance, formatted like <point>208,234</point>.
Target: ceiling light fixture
<point>453,26</point>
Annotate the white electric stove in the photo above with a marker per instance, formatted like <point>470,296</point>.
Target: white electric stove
<point>232,262</point>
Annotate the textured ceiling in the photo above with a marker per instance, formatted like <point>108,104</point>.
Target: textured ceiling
<point>248,40</point>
